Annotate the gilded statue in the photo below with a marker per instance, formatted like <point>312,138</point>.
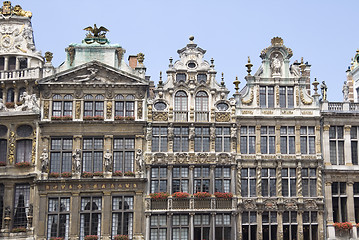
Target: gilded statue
<point>95,32</point>
<point>20,12</point>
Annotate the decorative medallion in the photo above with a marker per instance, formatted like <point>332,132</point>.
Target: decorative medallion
<point>223,116</point>
<point>160,116</point>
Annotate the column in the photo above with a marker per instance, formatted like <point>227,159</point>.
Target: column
<point>258,139</point>
<point>350,202</point>
<point>169,224</point>
<point>259,226</point>
<point>300,225</point>
<point>148,170</point>
<point>41,223</point>
<point>233,224</point>
<point>239,225</point>
<point>148,227</point>
<point>138,214</point>
<point>106,215</point>
<point>297,140</point>
<point>347,146</point>
<point>239,180</point>
<point>17,66</point>
<point>259,181</point>
<point>212,231</point>
<point>299,180</point>
<point>6,63</point>
<point>75,218</point>
<point>325,144</point>
<point>212,177</point>
<point>8,203</point>
<point>277,139</point>
<point>190,182</point>
<point>329,210</point>
<point>233,181</point>
<point>191,226</point>
<point>279,180</point>
<point>108,167</point>
<point>280,225</point>
<point>321,227</point>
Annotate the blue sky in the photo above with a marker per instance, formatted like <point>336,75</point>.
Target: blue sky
<point>324,33</point>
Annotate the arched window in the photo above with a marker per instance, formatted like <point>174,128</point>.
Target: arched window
<point>12,63</point>
<point>181,106</point>
<point>10,97</point>
<point>62,106</point>
<point>201,106</point>
<point>21,91</point>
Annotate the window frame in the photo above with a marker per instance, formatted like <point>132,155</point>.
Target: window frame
<point>223,139</point>
<point>123,158</point>
<point>181,139</point>
<point>91,213</point>
<point>122,211</point>
<point>62,151</point>
<point>268,140</point>
<point>287,140</point>
<point>25,189</point>
<point>95,155</point>
<point>58,213</point>
<point>307,140</point>
<point>336,145</point>
<point>266,96</point>
<point>182,178</point>
<point>251,178</point>
<point>159,227</point>
<point>201,180</point>
<point>202,139</point>
<point>269,177</point>
<point>160,137</point>
<point>248,139</point>
<point>158,179</point>
<point>222,181</point>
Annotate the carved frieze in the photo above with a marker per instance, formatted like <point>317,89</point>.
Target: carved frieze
<point>12,140</point>
<point>270,204</point>
<point>46,109</point>
<point>310,204</point>
<point>249,204</point>
<point>78,110</point>
<point>223,117</point>
<point>290,204</point>
<point>139,109</point>
<point>109,110</point>
<point>224,158</point>
<point>250,99</point>
<point>159,158</point>
<point>160,116</point>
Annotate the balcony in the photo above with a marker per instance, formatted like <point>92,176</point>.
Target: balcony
<point>190,203</point>
<point>202,116</point>
<point>21,74</point>
<point>181,116</point>
<point>335,106</point>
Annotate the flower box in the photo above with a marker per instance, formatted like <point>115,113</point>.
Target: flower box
<point>23,164</point>
<point>343,226</point>
<point>129,174</point>
<point>119,118</point>
<point>98,174</point>
<point>91,237</point>
<point>87,174</point>
<point>159,195</point>
<point>61,118</point>
<point>2,164</point>
<point>54,175</point>
<point>56,238</point>
<point>180,195</point>
<point>127,118</point>
<point>117,173</point>
<point>121,237</point>
<point>93,117</point>
<point>223,195</point>
<point>66,174</point>
<point>10,105</point>
<point>19,103</point>
<point>202,195</point>
<point>18,230</point>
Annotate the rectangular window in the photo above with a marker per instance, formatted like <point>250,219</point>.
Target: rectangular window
<point>223,139</point>
<point>122,216</point>
<point>158,179</point>
<point>61,108</point>
<point>356,201</point>
<point>223,226</point>
<point>354,144</point>
<point>249,225</point>
<point>248,179</point>
<point>309,182</point>
<point>123,154</point>
<point>61,155</point>
<point>21,205</point>
<point>180,179</point>
<point>90,216</point>
<point>222,180</point>
<point>23,150</point>
<point>159,139</point>
<point>289,182</point>
<point>267,140</point>
<point>287,140</point>
<point>290,225</point>
<point>310,225</point>
<point>180,227</point>
<point>266,97</point>
<point>286,97</point>
<point>3,150</point>
<point>202,225</point>
<point>92,154</point>
<point>180,141</point>
<point>201,179</point>
<point>336,145</point>
<point>248,140</point>
<point>269,228</point>
<point>201,139</point>
<point>58,219</point>
<point>124,108</point>
<point>269,182</point>
<point>93,108</point>
<point>307,140</point>
<point>339,201</point>
<point>158,227</point>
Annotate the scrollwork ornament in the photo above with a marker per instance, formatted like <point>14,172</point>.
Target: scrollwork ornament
<point>33,152</point>
<point>46,109</point>
<point>12,140</point>
<point>223,117</point>
<point>250,99</point>
<point>78,110</point>
<point>160,116</point>
<point>304,101</point>
<point>109,109</point>
<point>139,109</point>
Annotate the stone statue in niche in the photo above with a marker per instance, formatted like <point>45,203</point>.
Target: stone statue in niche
<point>108,161</point>
<point>149,132</point>
<point>170,131</point>
<point>77,161</point>
<point>140,162</point>
<point>345,92</point>
<point>44,161</point>
<point>276,65</point>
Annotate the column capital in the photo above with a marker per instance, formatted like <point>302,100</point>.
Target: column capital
<point>326,127</point>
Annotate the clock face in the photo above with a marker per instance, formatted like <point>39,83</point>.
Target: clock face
<point>6,41</point>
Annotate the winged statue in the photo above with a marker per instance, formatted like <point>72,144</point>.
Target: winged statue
<point>97,32</point>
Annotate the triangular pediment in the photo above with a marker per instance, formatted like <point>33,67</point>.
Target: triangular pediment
<point>94,73</point>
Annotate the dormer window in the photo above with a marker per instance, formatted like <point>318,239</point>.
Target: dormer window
<point>191,65</point>
<point>181,106</point>
<point>266,97</point>
<point>202,78</point>
<point>180,77</point>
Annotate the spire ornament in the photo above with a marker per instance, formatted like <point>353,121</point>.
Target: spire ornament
<point>96,34</point>
<point>249,66</point>
<point>236,84</point>
<point>222,82</point>
<point>315,85</point>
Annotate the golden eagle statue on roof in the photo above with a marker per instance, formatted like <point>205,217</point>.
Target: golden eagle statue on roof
<point>96,32</point>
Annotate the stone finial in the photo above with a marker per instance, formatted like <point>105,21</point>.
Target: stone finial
<point>222,80</point>
<point>160,81</point>
<point>212,63</point>
<point>140,58</point>
<point>249,66</point>
<point>191,38</point>
<point>277,41</point>
<point>236,84</point>
<point>315,85</point>
<point>48,56</point>
<point>302,66</point>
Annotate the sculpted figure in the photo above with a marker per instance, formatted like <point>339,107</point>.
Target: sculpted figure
<point>324,89</point>
<point>276,64</point>
<point>44,161</point>
<point>140,162</point>
<point>191,132</point>
<point>234,131</point>
<point>29,103</point>
<point>77,161</point>
<point>170,131</point>
<point>345,92</point>
<point>149,132</point>
<point>108,161</point>
<point>88,77</point>
<point>2,105</point>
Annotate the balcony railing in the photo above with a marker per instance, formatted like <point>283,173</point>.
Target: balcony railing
<point>181,116</point>
<point>28,73</point>
<point>354,106</point>
<point>191,203</point>
<point>202,116</point>
<point>335,106</point>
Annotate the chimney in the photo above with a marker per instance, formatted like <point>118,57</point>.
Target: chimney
<point>132,61</point>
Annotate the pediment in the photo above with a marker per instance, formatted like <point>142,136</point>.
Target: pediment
<point>94,73</point>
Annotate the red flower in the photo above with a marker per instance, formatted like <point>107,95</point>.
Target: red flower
<point>343,225</point>
<point>159,195</point>
<point>117,173</point>
<point>223,195</point>
<point>180,195</point>
<point>202,195</point>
